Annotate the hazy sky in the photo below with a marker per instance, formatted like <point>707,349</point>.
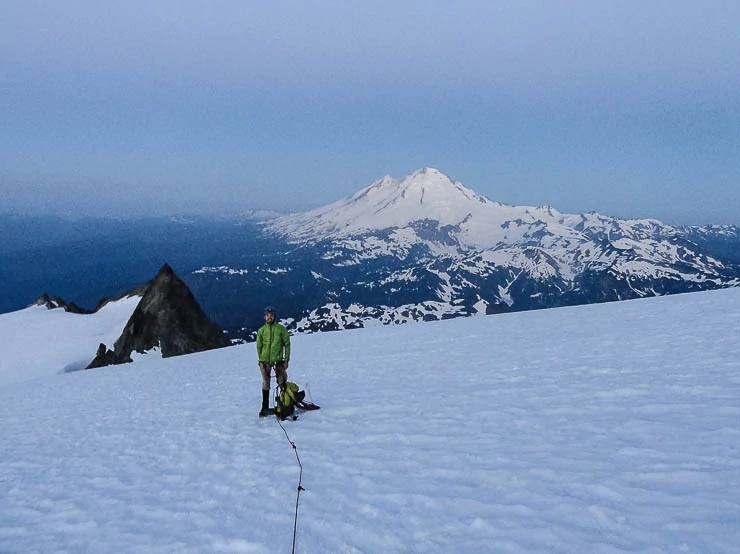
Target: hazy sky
<point>626,108</point>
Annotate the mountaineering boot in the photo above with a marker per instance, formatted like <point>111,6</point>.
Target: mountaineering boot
<point>265,411</point>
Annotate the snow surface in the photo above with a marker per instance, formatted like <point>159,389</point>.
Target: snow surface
<point>596,429</point>
<point>38,342</point>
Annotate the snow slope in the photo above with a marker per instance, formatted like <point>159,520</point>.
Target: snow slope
<point>602,429</point>
<point>37,342</point>
<point>426,194</point>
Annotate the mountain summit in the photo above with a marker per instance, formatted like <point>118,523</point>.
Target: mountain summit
<point>168,317</point>
<point>427,198</point>
<point>425,195</point>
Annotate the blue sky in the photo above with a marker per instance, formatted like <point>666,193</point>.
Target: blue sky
<point>126,108</point>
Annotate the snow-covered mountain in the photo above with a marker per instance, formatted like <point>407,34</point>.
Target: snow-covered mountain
<point>599,429</point>
<point>429,207</point>
<point>464,218</point>
<point>425,247</point>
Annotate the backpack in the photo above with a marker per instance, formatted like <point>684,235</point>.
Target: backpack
<point>287,397</point>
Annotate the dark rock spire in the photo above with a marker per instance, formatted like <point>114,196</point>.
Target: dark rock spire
<point>167,317</point>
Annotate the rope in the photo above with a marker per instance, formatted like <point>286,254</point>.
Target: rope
<point>300,474</point>
<point>300,479</point>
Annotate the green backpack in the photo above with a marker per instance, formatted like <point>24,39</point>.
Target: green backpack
<point>287,397</point>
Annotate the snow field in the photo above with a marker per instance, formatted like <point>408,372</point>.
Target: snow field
<point>605,428</point>
<point>36,342</point>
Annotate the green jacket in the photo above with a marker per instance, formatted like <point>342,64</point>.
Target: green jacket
<point>273,343</point>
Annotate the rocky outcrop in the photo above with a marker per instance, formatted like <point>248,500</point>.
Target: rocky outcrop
<point>104,357</point>
<point>168,318</point>
<point>54,302</point>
